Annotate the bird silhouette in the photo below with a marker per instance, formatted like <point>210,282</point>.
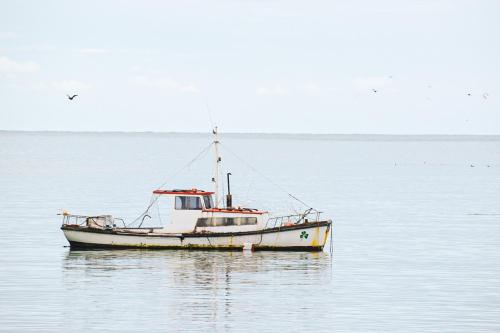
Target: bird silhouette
<point>374,90</point>
<point>71,97</point>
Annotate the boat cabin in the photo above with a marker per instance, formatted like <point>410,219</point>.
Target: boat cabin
<point>193,210</point>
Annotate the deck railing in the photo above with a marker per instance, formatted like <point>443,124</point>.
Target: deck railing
<point>69,219</point>
<point>310,215</point>
<point>103,221</point>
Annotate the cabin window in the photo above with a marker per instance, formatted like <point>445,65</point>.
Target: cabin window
<point>225,221</point>
<point>208,201</point>
<point>187,203</point>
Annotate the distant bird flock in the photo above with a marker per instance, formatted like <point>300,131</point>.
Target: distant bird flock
<point>484,95</point>
<point>469,94</point>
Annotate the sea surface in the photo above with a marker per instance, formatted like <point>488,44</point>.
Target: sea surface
<point>416,234</point>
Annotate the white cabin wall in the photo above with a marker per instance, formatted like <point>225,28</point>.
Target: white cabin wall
<point>164,209</point>
<point>183,221</point>
<point>178,220</point>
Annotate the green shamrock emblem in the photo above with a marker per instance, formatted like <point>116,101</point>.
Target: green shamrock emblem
<point>304,235</point>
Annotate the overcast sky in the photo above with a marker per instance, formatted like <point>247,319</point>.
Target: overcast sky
<point>261,66</point>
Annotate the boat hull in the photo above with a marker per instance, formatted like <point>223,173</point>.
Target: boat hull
<point>302,237</point>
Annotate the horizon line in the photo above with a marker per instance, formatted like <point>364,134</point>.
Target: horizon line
<point>244,133</point>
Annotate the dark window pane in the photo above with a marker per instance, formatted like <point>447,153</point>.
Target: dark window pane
<point>202,222</point>
<point>190,203</point>
<point>194,203</point>
<point>208,201</point>
<point>178,202</point>
<point>225,221</point>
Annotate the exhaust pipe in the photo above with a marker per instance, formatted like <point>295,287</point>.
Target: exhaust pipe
<point>229,197</point>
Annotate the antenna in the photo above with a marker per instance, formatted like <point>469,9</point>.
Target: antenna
<point>209,114</point>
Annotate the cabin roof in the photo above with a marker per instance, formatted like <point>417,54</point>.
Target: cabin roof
<point>192,191</point>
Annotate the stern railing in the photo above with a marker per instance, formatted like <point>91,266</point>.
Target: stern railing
<point>309,215</point>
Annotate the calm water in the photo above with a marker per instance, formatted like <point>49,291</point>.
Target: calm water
<point>416,235</point>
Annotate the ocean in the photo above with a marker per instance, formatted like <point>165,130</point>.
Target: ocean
<point>416,234</point>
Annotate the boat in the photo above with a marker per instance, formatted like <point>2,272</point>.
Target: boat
<point>201,219</point>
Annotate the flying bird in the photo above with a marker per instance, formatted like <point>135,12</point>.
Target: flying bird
<point>71,97</point>
<point>469,94</point>
<point>374,90</point>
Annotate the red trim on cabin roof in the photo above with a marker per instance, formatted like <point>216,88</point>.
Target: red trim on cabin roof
<point>234,211</point>
<point>192,191</point>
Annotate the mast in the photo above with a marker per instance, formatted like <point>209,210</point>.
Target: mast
<point>217,159</point>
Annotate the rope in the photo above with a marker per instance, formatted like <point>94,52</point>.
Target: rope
<point>155,198</point>
<point>199,155</point>
<point>151,202</point>
<point>247,194</point>
<point>159,214</point>
<point>265,177</point>
<point>331,239</point>
<point>331,250</point>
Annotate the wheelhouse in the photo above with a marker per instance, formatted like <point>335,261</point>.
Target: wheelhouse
<point>193,210</point>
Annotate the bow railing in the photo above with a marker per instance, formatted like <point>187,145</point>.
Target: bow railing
<point>100,222</point>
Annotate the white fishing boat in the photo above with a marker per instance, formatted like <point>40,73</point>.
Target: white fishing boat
<point>196,221</point>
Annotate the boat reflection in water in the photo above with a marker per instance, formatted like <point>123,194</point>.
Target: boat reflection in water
<point>182,290</point>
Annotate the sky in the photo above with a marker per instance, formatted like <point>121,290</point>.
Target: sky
<point>277,66</point>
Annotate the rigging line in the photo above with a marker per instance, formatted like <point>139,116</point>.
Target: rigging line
<point>331,240</point>
<point>159,215</point>
<point>151,202</point>
<point>331,250</point>
<point>248,190</point>
<point>264,176</point>
<point>199,155</point>
<point>155,198</point>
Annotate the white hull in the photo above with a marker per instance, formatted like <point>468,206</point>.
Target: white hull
<point>302,237</point>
